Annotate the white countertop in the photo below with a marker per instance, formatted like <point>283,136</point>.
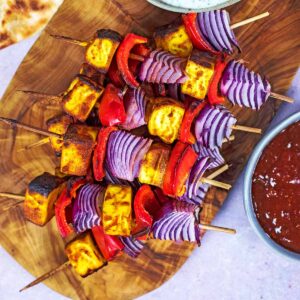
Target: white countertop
<point>225,267</point>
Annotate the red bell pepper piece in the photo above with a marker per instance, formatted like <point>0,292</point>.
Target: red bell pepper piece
<point>192,109</point>
<point>123,53</point>
<point>99,152</point>
<point>115,75</point>
<point>179,166</point>
<point>110,246</point>
<point>145,207</point>
<point>62,204</point>
<point>161,198</point>
<point>213,94</point>
<point>111,109</point>
<point>189,21</point>
<point>141,50</point>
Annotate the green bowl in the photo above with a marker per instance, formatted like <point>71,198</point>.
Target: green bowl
<point>268,137</point>
<point>206,6</point>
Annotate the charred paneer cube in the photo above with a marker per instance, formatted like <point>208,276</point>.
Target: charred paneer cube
<point>84,255</point>
<point>76,154</point>
<point>164,116</point>
<point>90,72</point>
<point>58,124</point>
<point>84,130</point>
<point>116,210</point>
<point>40,197</point>
<point>200,70</point>
<point>174,39</point>
<point>100,51</point>
<point>154,165</point>
<point>81,98</point>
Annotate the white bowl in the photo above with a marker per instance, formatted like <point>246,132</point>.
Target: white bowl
<point>205,5</point>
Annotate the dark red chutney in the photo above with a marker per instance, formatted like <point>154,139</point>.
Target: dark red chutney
<point>276,188</point>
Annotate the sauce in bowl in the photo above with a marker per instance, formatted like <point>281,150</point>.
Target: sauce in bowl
<point>276,189</point>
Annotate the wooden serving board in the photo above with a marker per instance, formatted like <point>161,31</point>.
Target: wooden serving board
<point>271,46</point>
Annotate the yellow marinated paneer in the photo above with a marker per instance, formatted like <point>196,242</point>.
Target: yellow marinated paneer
<point>164,118</point>
<point>84,255</point>
<point>200,70</point>
<point>154,165</point>
<point>116,210</point>
<point>76,154</point>
<point>81,98</point>
<point>58,124</point>
<point>85,130</point>
<point>40,197</point>
<point>173,38</point>
<point>100,51</point>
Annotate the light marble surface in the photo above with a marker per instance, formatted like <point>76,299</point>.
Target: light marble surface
<point>225,267</point>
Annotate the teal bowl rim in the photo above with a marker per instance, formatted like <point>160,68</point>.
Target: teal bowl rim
<point>172,8</point>
<point>251,165</point>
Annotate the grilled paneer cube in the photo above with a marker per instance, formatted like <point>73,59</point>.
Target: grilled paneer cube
<point>116,210</point>
<point>40,197</point>
<point>164,116</point>
<point>81,98</point>
<point>101,49</point>
<point>84,255</point>
<point>85,130</point>
<point>154,165</point>
<point>200,70</point>
<point>58,124</point>
<point>90,72</point>
<point>173,38</point>
<point>76,154</point>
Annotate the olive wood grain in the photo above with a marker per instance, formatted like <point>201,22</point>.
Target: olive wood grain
<point>271,46</point>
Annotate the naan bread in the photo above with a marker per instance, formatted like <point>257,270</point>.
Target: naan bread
<point>20,19</point>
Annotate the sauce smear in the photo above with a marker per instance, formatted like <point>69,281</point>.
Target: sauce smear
<point>276,189</point>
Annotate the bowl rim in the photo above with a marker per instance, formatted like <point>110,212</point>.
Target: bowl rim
<point>166,6</point>
<point>251,165</point>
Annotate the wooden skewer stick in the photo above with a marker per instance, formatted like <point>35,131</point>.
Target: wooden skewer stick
<point>282,97</point>
<point>216,183</point>
<point>218,172</point>
<point>46,276</point>
<point>230,139</point>
<point>12,196</point>
<point>15,123</point>
<point>39,94</point>
<point>13,205</point>
<point>217,228</point>
<point>250,20</point>
<point>18,197</point>
<point>51,273</point>
<point>247,129</point>
<point>41,142</point>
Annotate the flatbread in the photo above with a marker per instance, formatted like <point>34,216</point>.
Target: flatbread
<point>20,19</point>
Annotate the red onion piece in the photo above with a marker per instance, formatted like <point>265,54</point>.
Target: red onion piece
<point>244,87</point>
<point>177,221</point>
<point>212,125</point>
<point>216,158</point>
<point>133,247</point>
<point>86,212</point>
<point>135,102</point>
<point>163,67</point>
<point>124,154</point>
<point>193,183</point>
<point>214,27</point>
<point>110,179</point>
